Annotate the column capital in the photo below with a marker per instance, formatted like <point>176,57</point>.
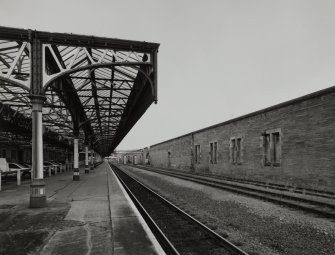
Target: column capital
<point>75,133</point>
<point>37,98</point>
<point>37,102</point>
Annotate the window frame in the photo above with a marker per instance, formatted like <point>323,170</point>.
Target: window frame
<point>213,152</point>
<point>169,158</point>
<point>272,147</point>
<point>235,151</point>
<point>197,153</point>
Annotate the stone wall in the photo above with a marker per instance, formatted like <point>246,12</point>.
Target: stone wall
<point>304,150</point>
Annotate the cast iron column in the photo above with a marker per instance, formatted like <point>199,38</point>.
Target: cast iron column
<point>37,187</point>
<point>87,169</point>
<point>92,163</point>
<point>76,176</point>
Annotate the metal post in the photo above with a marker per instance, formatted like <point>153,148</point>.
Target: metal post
<point>37,188</point>
<point>76,176</point>
<point>0,180</point>
<point>92,163</point>
<point>18,177</point>
<point>49,171</point>
<point>87,169</point>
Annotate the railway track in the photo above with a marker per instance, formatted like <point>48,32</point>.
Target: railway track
<point>280,187</point>
<point>314,206</point>
<point>176,231</point>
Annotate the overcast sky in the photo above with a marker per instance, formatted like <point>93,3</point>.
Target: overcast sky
<point>218,59</point>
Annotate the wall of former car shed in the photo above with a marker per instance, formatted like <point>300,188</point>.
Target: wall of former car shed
<point>131,157</point>
<point>176,153</point>
<point>305,147</point>
<point>135,157</point>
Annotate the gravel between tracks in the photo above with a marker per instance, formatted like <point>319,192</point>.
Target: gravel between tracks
<point>256,226</point>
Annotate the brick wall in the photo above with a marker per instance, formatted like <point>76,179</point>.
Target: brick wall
<point>307,138</point>
<point>180,153</point>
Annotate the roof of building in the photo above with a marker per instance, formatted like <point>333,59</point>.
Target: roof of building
<point>265,110</point>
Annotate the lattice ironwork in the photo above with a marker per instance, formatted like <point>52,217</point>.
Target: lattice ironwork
<point>95,86</point>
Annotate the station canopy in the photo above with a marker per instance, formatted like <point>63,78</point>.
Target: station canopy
<point>93,87</point>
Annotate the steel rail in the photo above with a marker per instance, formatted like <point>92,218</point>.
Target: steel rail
<point>281,187</point>
<point>316,207</point>
<point>162,239</point>
<point>221,242</point>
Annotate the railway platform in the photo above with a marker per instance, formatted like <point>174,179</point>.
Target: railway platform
<point>90,216</point>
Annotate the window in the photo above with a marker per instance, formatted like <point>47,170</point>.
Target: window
<point>197,154</point>
<point>147,158</point>
<point>236,150</point>
<point>213,147</point>
<point>13,155</point>
<point>4,153</point>
<point>272,147</point>
<point>169,159</point>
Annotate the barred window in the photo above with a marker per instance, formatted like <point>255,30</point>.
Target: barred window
<point>272,147</point>
<point>236,150</point>
<point>169,159</point>
<point>213,148</point>
<point>197,154</point>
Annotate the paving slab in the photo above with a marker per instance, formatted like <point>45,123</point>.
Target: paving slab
<point>90,216</point>
<point>130,237</point>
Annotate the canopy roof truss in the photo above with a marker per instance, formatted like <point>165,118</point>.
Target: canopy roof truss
<point>95,86</point>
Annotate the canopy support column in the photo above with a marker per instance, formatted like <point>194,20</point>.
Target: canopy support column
<point>87,169</point>
<point>92,163</point>
<point>37,187</point>
<point>76,176</point>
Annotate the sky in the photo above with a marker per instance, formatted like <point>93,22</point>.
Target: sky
<point>218,59</point>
